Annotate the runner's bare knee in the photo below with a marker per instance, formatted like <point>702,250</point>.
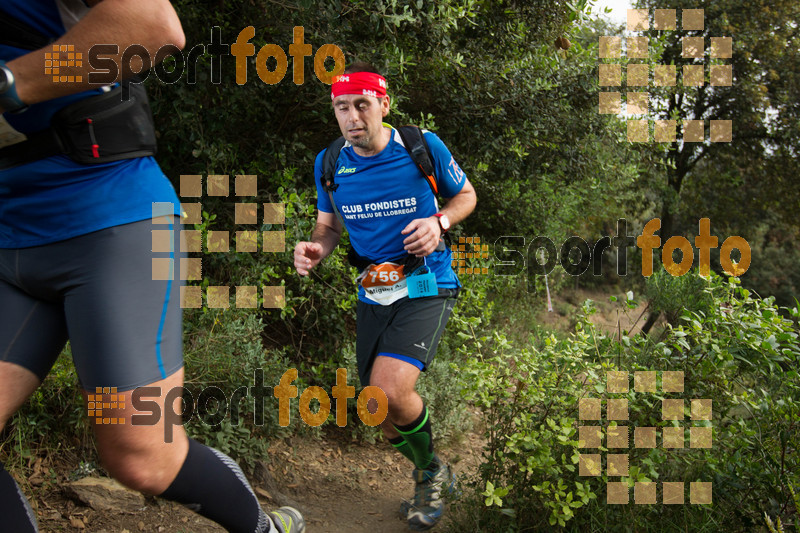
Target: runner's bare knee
<point>147,469</point>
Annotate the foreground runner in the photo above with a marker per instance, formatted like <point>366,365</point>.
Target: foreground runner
<point>76,259</point>
<point>395,226</point>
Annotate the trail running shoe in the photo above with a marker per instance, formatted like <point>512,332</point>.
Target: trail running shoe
<point>427,508</point>
<point>288,520</point>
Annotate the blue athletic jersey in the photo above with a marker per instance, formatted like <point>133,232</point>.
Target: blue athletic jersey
<point>380,195</point>
<point>54,199</point>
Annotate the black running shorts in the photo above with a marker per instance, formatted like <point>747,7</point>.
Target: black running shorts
<point>96,290</point>
<point>409,330</point>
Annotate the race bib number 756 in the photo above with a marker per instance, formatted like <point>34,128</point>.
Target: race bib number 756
<point>384,283</point>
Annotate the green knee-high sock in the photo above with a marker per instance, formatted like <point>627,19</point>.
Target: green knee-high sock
<point>402,446</point>
<point>419,437</point>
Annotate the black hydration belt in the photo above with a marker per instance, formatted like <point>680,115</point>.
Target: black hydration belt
<point>97,129</point>
<point>116,124</point>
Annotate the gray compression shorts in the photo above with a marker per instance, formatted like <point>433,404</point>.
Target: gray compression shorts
<point>97,291</point>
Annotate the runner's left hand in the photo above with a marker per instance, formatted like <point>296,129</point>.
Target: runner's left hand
<point>424,238</point>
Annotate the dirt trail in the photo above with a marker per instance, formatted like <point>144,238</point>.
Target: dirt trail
<point>340,486</point>
<point>611,317</point>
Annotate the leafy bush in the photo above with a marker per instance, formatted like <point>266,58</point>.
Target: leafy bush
<point>738,351</point>
<point>673,295</point>
<point>223,349</point>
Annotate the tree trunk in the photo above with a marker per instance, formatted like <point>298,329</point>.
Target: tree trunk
<point>651,319</point>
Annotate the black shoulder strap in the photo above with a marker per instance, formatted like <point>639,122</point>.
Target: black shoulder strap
<point>415,144</point>
<point>420,152</point>
<point>418,149</point>
<point>14,32</point>
<point>329,170</point>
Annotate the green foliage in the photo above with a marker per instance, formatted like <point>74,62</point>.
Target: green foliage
<point>223,349</point>
<point>777,526</point>
<point>774,273</point>
<point>674,295</point>
<point>55,410</point>
<point>734,349</point>
<point>752,178</point>
<point>494,496</point>
<point>529,404</point>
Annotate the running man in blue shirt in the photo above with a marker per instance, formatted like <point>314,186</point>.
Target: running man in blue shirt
<point>395,228</point>
<point>76,261</point>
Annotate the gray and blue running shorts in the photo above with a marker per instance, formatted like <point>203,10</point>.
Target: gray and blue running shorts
<point>97,291</point>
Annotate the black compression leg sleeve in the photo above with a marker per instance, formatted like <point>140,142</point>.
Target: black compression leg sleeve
<point>213,485</point>
<point>14,507</point>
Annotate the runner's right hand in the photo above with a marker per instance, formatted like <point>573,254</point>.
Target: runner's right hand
<point>307,255</point>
